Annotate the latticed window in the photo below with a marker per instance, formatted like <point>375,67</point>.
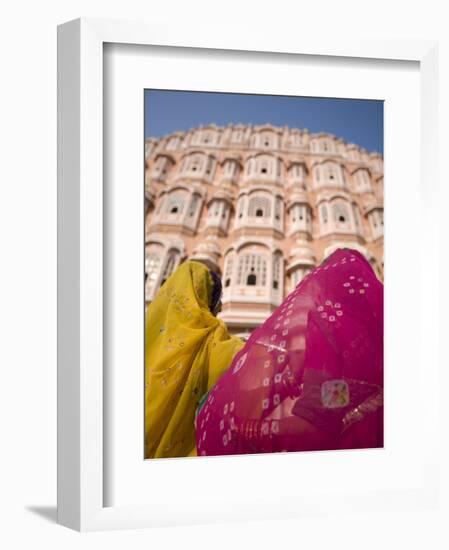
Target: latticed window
<point>152,265</point>
<point>237,136</point>
<point>259,207</point>
<point>341,214</point>
<point>184,164</point>
<point>278,208</point>
<point>323,212</point>
<point>175,204</point>
<point>363,179</point>
<point>264,167</point>
<point>276,271</point>
<point>170,264</point>
<point>297,171</point>
<point>228,270</point>
<point>252,270</point>
<point>357,220</point>
<point>250,167</point>
<point>377,221</point>
<point>209,165</point>
<point>241,207</point>
<point>196,163</point>
<point>331,172</point>
<point>193,206</point>
<point>266,140</point>
<point>230,168</point>
<point>299,213</point>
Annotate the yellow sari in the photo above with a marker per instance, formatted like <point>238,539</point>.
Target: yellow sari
<point>187,349</point>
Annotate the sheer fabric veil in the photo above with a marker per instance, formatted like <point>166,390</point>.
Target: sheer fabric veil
<point>311,377</point>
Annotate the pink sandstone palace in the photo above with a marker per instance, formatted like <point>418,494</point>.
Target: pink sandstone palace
<point>262,206</point>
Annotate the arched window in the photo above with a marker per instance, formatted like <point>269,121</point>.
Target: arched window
<point>376,218</point>
<point>252,270</point>
<point>300,218</point>
<point>171,263</point>
<point>209,165</point>
<point>259,207</point>
<point>328,173</point>
<point>154,255</point>
<point>241,206</point>
<point>267,139</point>
<point>193,205</point>
<point>230,167</point>
<point>265,166</point>
<point>363,180</point>
<point>251,279</point>
<point>297,171</point>
<point>341,212</point>
<point>175,203</point>
<point>250,167</point>
<point>357,219</point>
<point>228,269</point>
<point>152,265</point>
<point>276,271</point>
<point>331,171</point>
<point>161,167</point>
<point>196,163</point>
<point>277,208</point>
<point>323,212</point>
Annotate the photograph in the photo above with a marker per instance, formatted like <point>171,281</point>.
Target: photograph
<point>264,273</point>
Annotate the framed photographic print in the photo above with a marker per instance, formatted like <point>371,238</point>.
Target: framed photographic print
<point>235,291</point>
<point>287,226</point>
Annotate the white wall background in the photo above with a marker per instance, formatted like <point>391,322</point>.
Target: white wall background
<point>28,267</point>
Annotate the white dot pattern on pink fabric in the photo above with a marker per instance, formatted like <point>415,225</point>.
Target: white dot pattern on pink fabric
<point>282,341</point>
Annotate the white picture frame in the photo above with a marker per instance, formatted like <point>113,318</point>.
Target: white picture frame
<point>82,491</point>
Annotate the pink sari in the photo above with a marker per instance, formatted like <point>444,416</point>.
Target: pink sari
<point>311,377</point>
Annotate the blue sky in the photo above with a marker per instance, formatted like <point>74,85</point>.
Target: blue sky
<point>358,121</point>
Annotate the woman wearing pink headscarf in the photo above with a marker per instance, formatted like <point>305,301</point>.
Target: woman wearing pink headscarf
<point>311,377</point>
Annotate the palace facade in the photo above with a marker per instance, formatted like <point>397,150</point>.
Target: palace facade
<point>261,205</point>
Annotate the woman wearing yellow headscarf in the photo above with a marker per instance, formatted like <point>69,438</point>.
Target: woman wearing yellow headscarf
<point>187,349</point>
